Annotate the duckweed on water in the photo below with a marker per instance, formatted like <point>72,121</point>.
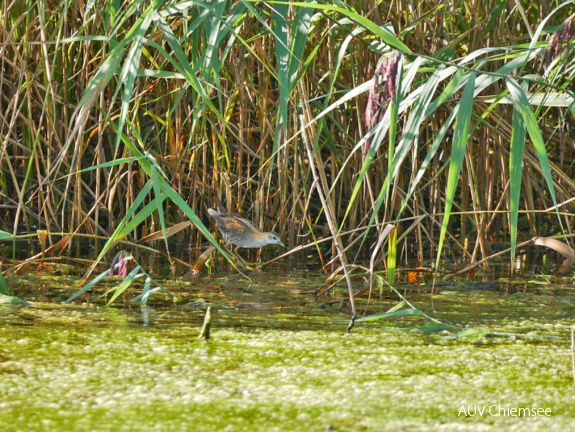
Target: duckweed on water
<point>81,368</point>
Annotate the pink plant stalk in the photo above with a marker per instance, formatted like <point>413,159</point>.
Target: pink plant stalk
<point>122,260</point>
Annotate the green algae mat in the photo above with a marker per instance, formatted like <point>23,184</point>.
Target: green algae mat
<point>279,360</point>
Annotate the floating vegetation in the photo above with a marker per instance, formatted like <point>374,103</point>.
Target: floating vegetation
<point>395,149</point>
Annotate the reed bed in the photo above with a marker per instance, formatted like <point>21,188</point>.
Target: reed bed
<point>451,121</point>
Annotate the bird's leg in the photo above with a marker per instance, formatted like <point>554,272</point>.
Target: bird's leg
<point>239,260</point>
<point>248,266</point>
<point>243,262</point>
<point>258,262</point>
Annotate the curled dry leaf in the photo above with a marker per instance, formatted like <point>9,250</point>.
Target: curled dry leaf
<point>558,246</point>
<point>199,264</point>
<point>170,231</point>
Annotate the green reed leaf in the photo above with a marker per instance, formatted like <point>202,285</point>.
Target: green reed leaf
<point>184,207</point>
<point>391,257</point>
<point>122,225</point>
<point>385,315</point>
<point>124,285</point>
<point>89,285</point>
<point>522,105</point>
<point>379,31</point>
<point>157,186</point>
<point>457,155</point>
<point>515,174</point>
<point>3,285</point>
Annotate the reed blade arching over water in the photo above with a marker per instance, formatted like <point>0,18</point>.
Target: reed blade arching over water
<point>452,121</point>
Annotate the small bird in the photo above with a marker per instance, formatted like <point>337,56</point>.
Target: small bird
<point>242,232</point>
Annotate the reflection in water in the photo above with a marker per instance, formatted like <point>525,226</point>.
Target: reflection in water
<point>145,315</point>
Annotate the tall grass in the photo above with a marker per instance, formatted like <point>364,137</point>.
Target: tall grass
<point>120,119</point>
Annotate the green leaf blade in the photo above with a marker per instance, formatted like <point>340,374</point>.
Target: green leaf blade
<point>457,155</point>
<point>515,174</point>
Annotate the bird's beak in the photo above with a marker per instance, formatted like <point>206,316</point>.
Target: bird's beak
<point>281,244</point>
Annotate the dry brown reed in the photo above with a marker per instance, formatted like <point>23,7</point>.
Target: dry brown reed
<point>235,148</point>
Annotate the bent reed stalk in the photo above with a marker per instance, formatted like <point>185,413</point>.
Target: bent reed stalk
<point>121,123</point>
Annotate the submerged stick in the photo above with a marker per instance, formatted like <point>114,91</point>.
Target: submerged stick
<point>205,333</point>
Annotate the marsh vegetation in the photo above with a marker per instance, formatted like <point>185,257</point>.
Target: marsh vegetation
<point>396,148</point>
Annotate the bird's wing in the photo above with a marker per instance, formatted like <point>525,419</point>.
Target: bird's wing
<point>239,223</point>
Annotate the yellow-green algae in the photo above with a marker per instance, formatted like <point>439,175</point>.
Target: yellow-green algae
<point>285,368</point>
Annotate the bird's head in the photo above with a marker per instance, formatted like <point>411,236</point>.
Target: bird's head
<point>273,238</point>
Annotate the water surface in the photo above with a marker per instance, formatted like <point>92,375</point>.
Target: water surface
<point>279,359</point>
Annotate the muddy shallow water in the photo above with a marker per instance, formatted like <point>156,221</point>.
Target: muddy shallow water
<point>280,360</point>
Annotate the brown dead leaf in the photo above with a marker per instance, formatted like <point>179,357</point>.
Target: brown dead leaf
<point>60,245</point>
<point>560,247</point>
<point>170,231</point>
<point>413,277</point>
<point>199,264</point>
